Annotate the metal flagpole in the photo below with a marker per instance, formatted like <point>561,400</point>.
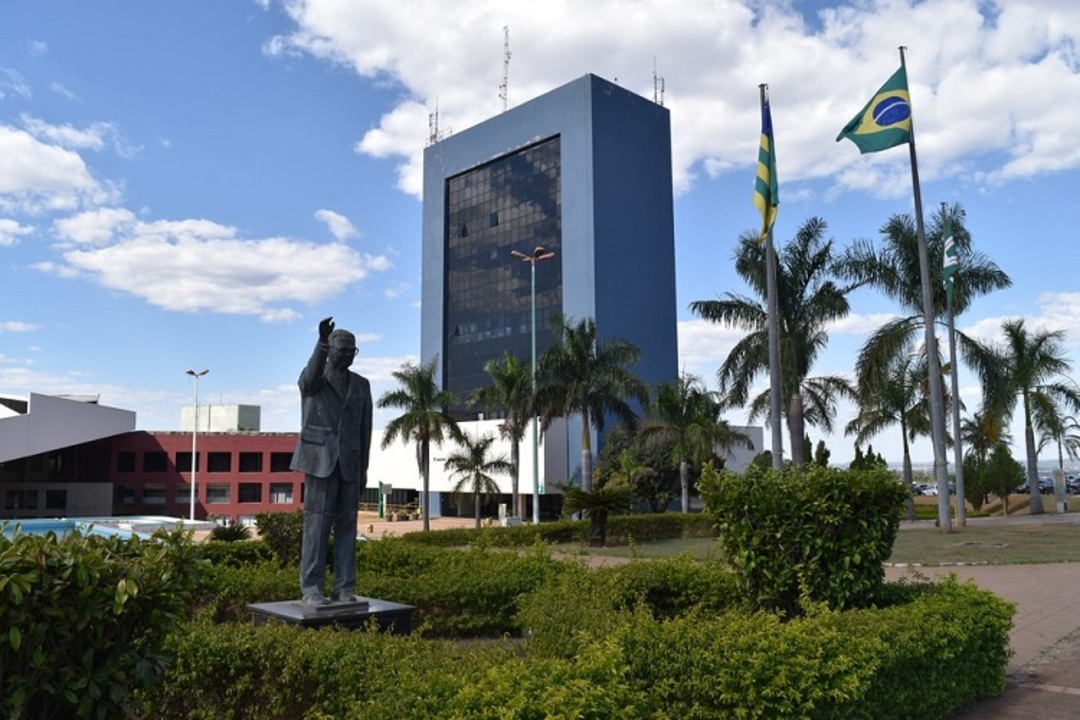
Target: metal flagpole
<point>937,404</point>
<point>958,451</point>
<point>775,386</point>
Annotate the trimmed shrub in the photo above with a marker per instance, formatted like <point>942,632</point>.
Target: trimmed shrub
<point>225,591</point>
<point>921,660</point>
<point>623,529</point>
<point>817,533</point>
<point>83,620</point>
<point>236,554</point>
<point>284,533</point>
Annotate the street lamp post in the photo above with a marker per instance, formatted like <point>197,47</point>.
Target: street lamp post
<point>194,440</point>
<point>537,255</point>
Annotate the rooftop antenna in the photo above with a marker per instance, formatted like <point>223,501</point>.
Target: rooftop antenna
<point>505,86</point>
<point>434,134</point>
<point>657,85</point>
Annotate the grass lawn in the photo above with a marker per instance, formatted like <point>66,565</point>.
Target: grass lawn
<point>987,542</point>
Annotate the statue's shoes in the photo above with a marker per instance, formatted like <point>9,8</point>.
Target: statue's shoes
<point>344,597</point>
<point>316,600</point>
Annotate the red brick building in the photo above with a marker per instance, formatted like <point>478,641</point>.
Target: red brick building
<point>237,474</point>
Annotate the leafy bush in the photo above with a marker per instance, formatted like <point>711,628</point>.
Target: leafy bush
<point>230,533</point>
<point>225,591</point>
<point>822,533</point>
<point>922,659</point>
<point>284,533</point>
<point>236,554</point>
<point>622,529</point>
<point>83,620</point>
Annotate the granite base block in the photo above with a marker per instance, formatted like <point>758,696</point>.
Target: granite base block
<point>390,617</point>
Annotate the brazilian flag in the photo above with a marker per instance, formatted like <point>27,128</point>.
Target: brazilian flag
<point>885,122</point>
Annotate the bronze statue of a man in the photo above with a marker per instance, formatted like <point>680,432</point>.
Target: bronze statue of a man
<point>333,453</point>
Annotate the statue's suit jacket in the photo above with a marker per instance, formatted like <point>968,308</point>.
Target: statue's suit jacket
<point>335,421</point>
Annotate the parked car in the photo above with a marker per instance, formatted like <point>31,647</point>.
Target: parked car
<point>928,489</point>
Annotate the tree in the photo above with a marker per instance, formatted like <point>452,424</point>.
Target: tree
<point>1028,369</point>
<point>808,299</point>
<point>998,473</point>
<point>894,269</point>
<point>687,415</point>
<point>425,420</point>
<point>511,394</point>
<point>982,432</point>
<point>1063,431</point>
<point>895,397</point>
<point>596,505</point>
<point>583,374</point>
<point>821,454</point>
<point>473,469</point>
<point>657,483</point>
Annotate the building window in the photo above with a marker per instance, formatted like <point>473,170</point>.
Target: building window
<point>56,499</point>
<point>281,493</point>
<point>183,462</point>
<point>155,461</point>
<point>280,462</point>
<point>125,495</point>
<point>246,520</point>
<point>219,462</point>
<point>153,495</point>
<point>217,494</point>
<point>249,493</point>
<point>125,461</point>
<point>21,499</point>
<point>183,494</point>
<point>251,462</point>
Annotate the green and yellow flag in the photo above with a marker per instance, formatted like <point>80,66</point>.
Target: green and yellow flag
<point>951,259</point>
<point>766,189</point>
<point>885,122</point>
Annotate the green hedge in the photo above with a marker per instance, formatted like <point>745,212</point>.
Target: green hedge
<point>819,534</point>
<point>622,529</point>
<point>83,620</point>
<point>921,660</point>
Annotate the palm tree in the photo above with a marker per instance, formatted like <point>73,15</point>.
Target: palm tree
<point>982,432</point>
<point>687,415</point>
<point>808,299</point>
<point>900,398</point>
<point>1063,431</point>
<point>588,376</point>
<point>894,269</point>
<point>424,421</point>
<point>511,394</point>
<point>473,468</point>
<point>1028,368</point>
<point>611,497</point>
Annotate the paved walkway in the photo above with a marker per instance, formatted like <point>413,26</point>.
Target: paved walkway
<point>1044,672</point>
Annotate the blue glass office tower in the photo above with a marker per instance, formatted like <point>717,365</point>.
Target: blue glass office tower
<point>584,171</point>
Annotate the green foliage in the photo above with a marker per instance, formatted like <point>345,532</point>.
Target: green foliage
<point>83,620</point>
<point>657,484</point>
<point>869,461</point>
<point>225,591</point>
<point>603,647</point>
<point>236,554</point>
<point>821,534</point>
<point>230,533</point>
<point>284,533</point>
<point>821,454</point>
<point>999,474</point>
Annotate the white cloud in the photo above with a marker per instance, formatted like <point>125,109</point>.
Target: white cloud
<point>340,226</point>
<point>37,48</point>
<point>12,82</point>
<point>198,265</point>
<point>63,91</point>
<point>91,137</point>
<point>10,231</point>
<point>16,326</point>
<point>1004,85</point>
<point>37,176</point>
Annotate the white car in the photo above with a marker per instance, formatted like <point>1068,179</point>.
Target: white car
<point>928,489</point>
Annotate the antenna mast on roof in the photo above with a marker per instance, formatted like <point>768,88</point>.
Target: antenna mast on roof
<point>434,134</point>
<point>504,88</point>
<point>657,85</point>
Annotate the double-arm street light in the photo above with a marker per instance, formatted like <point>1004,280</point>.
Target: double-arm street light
<point>194,436</point>
<point>537,255</point>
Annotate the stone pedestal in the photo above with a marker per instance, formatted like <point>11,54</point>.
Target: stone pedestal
<point>390,617</point>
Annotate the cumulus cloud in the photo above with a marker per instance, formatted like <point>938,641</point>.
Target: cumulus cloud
<point>199,265</point>
<point>38,176</point>
<point>1004,82</point>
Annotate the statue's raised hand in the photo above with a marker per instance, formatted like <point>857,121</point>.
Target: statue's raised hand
<point>326,326</point>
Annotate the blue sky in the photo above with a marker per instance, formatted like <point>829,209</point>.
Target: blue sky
<point>194,185</point>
